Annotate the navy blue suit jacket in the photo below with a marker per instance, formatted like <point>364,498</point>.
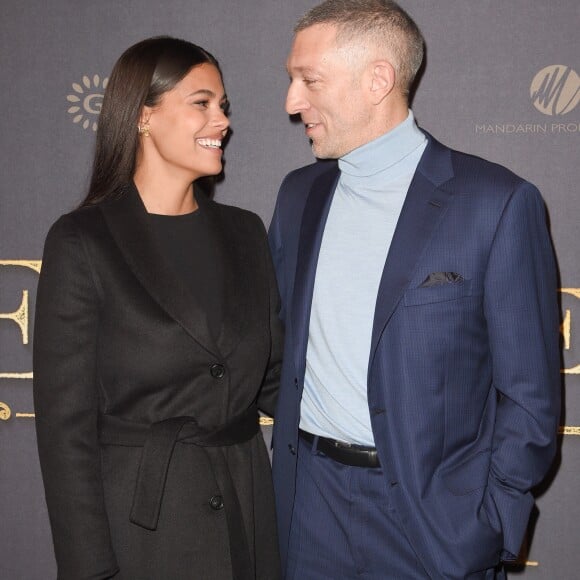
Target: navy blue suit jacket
<point>463,376</point>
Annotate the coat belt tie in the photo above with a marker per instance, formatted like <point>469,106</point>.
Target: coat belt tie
<point>158,441</point>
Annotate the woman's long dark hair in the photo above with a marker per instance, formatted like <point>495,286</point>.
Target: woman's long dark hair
<point>142,74</point>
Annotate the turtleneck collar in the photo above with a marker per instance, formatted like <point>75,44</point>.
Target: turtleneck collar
<point>385,151</point>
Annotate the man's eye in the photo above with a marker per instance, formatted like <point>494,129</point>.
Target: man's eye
<point>309,82</point>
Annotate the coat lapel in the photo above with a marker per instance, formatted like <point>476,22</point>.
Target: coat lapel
<point>313,221</point>
<point>127,221</point>
<point>425,204</point>
<point>236,262</point>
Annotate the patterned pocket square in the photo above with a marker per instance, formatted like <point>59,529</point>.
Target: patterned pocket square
<point>438,278</point>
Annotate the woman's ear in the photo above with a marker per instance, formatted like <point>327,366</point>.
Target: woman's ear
<point>143,127</point>
<point>145,115</point>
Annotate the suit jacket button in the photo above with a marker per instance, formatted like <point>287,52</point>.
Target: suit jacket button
<point>295,382</point>
<point>292,448</point>
<point>216,502</point>
<point>217,371</point>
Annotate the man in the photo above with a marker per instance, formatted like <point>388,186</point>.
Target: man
<point>420,388</point>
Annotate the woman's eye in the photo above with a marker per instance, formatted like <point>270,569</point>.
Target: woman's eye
<point>203,104</point>
<point>225,107</point>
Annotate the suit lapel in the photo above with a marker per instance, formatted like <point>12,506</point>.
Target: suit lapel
<point>313,221</point>
<point>425,204</point>
<point>127,221</point>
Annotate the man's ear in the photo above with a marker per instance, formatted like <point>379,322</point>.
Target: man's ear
<point>382,80</point>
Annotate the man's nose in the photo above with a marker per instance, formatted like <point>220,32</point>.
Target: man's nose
<point>295,100</point>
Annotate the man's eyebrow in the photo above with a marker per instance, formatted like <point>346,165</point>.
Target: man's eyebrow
<point>303,70</point>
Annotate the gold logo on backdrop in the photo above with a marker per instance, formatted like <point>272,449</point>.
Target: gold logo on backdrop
<point>555,90</point>
<point>86,101</point>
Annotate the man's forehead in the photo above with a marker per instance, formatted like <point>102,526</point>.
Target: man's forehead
<point>311,47</point>
<point>322,34</point>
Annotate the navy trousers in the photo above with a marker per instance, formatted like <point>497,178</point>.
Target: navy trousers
<point>344,528</point>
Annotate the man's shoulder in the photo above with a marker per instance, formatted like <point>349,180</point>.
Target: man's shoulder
<point>477,169</point>
<point>475,172</point>
<point>304,176</point>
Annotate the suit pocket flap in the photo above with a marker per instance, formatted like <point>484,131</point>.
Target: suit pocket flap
<point>439,293</point>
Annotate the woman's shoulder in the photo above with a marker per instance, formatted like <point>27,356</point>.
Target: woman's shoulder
<point>240,215</point>
<point>75,223</point>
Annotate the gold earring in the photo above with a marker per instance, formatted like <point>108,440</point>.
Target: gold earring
<point>144,129</point>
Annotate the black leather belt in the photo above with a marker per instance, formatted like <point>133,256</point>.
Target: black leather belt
<point>345,453</point>
<point>158,441</point>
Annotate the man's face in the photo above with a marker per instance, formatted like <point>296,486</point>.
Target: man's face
<point>326,90</point>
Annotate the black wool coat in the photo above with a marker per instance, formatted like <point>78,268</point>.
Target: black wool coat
<point>121,349</point>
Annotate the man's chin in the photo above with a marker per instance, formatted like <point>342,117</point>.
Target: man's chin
<point>320,152</point>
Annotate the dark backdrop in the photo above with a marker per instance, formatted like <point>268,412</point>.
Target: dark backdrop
<point>500,82</point>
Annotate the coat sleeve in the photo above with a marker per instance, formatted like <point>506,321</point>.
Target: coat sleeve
<point>520,305</point>
<point>66,403</point>
<point>269,392</point>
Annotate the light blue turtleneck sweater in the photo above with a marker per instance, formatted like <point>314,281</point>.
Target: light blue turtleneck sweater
<point>373,183</point>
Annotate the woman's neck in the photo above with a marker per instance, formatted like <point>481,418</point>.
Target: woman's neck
<point>163,194</point>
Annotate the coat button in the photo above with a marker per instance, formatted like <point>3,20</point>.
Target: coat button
<point>217,371</point>
<point>292,448</point>
<point>216,502</point>
<point>295,382</point>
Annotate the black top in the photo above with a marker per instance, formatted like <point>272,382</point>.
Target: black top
<point>189,247</point>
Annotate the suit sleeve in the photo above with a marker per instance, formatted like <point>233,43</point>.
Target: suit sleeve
<point>269,392</point>
<point>66,403</point>
<point>520,304</point>
<point>276,251</point>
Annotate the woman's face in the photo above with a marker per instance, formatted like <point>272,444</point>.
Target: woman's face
<point>187,126</point>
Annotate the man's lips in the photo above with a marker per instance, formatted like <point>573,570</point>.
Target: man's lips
<point>311,128</point>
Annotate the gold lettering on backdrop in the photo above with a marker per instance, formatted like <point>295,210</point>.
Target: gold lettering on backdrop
<point>5,411</point>
<point>21,315</point>
<point>566,329</point>
<point>32,264</point>
<point>568,430</point>
<point>16,375</point>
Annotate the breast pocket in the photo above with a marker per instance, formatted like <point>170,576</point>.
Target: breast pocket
<point>439,293</point>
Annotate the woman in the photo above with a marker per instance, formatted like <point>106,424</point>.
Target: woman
<point>156,339</point>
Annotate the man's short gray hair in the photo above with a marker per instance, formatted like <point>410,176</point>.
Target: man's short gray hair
<point>382,23</point>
